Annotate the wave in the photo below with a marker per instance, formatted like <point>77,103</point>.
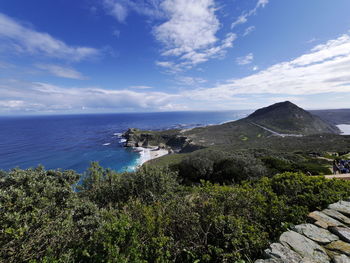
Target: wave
<point>106,144</point>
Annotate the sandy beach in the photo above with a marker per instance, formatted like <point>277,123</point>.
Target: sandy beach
<point>345,129</point>
<point>147,154</point>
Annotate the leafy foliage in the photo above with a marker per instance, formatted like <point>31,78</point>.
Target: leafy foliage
<point>149,216</point>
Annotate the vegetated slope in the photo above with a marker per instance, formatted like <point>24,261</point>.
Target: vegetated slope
<point>240,131</point>
<point>339,116</point>
<point>148,216</point>
<point>283,118</point>
<point>286,117</point>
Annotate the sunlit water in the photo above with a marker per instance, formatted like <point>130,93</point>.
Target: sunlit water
<point>73,141</point>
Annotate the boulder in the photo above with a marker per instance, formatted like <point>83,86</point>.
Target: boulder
<point>342,232</point>
<point>337,215</point>
<point>270,260</point>
<point>305,247</point>
<point>315,233</point>
<point>340,247</point>
<point>341,259</point>
<point>283,253</point>
<point>323,220</point>
<point>342,207</point>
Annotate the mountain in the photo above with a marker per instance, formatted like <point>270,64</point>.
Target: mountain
<point>273,126</point>
<point>288,118</point>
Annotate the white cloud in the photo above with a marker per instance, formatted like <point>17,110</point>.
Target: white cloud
<point>190,81</point>
<point>45,97</point>
<point>117,9</point>
<point>190,32</point>
<point>323,72</point>
<point>192,25</point>
<point>325,69</point>
<point>262,3</point>
<point>141,87</point>
<point>21,39</point>
<point>63,72</point>
<point>120,9</point>
<point>243,18</point>
<point>245,60</point>
<point>248,30</point>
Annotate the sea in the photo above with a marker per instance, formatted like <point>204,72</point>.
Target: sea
<point>74,141</point>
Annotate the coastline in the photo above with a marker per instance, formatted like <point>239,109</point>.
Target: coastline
<point>147,154</point>
<point>344,128</point>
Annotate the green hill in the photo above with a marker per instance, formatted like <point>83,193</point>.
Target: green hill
<point>283,119</point>
<point>279,124</point>
<point>286,117</point>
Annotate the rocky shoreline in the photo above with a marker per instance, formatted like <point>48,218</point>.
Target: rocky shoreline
<point>172,140</point>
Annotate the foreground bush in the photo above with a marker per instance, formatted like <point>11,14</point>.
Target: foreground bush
<point>148,216</point>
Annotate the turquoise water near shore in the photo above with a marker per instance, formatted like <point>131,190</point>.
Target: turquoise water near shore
<point>73,141</point>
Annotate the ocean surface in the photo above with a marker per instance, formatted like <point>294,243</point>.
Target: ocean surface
<point>73,141</point>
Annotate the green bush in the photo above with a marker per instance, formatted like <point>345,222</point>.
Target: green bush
<point>147,216</point>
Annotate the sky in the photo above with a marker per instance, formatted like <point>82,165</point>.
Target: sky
<point>99,56</point>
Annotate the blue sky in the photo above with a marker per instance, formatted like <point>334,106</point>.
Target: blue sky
<point>93,56</point>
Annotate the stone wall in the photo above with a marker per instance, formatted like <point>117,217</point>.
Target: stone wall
<point>327,239</point>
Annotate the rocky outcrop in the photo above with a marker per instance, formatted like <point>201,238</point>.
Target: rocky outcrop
<point>172,140</point>
<point>326,240</point>
<point>136,138</point>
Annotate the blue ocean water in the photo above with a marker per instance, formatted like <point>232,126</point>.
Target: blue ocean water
<point>73,141</point>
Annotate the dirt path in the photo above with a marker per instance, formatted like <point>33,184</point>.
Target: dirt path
<point>338,176</point>
<point>276,133</point>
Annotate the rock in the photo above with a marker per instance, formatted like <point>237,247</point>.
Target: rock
<point>342,232</point>
<point>340,247</point>
<point>130,144</point>
<point>170,151</point>
<point>337,215</point>
<point>342,207</point>
<point>323,220</point>
<point>270,260</point>
<point>283,253</point>
<point>305,247</point>
<point>315,233</point>
<point>321,224</point>
<point>341,259</point>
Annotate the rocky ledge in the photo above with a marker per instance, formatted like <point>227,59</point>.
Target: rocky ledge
<point>170,139</point>
<point>327,239</point>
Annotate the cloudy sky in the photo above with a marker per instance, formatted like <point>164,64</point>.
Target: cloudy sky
<point>91,56</point>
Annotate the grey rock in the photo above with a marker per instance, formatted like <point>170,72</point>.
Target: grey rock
<point>270,260</point>
<point>341,259</point>
<point>323,220</point>
<point>337,215</point>
<point>342,207</point>
<point>339,247</point>
<point>308,260</point>
<point>315,233</point>
<point>305,247</point>
<point>342,232</point>
<point>283,253</point>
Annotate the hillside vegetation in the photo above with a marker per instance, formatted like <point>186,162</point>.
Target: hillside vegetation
<point>149,216</point>
<point>228,192</point>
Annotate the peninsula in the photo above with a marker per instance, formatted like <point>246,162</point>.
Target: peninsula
<point>281,128</point>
